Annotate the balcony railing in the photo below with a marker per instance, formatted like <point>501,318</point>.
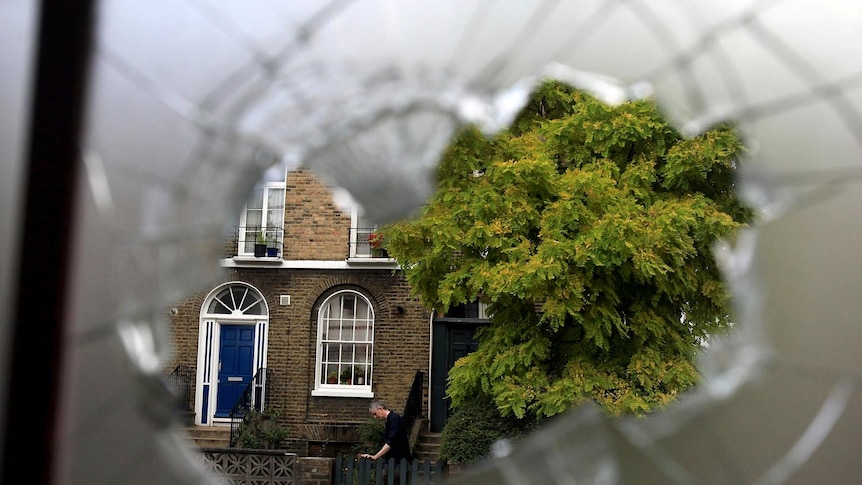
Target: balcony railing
<point>364,245</point>
<point>241,243</point>
<point>255,241</point>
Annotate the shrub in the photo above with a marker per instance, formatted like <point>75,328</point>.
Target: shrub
<point>371,433</point>
<point>261,431</point>
<point>473,429</point>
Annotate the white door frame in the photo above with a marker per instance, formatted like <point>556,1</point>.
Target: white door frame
<point>209,335</point>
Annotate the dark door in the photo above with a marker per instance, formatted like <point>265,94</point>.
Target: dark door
<point>236,358</point>
<point>452,339</point>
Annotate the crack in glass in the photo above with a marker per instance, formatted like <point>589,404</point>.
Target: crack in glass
<point>190,102</point>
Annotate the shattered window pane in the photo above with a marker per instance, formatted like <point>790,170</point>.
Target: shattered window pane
<point>190,102</point>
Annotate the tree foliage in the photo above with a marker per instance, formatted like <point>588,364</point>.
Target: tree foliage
<point>587,229</point>
<point>474,427</point>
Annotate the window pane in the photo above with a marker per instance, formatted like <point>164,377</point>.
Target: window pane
<point>347,354</point>
<point>347,308</point>
<point>255,200</point>
<point>255,308</point>
<point>359,375</point>
<point>330,376</point>
<point>216,306</point>
<point>363,311</point>
<point>274,212</point>
<point>253,224</point>
<point>275,199</point>
<point>333,352</point>
<point>273,220</point>
<point>362,353</point>
<point>333,331</point>
<point>361,332</point>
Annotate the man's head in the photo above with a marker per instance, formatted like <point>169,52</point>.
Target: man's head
<point>378,409</point>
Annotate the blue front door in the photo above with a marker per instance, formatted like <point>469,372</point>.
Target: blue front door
<point>236,358</point>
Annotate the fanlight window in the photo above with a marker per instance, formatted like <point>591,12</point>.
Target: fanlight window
<point>237,300</point>
<point>345,342</point>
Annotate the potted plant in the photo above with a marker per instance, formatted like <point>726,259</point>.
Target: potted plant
<point>260,245</point>
<point>272,248</point>
<point>347,375</point>
<point>359,375</point>
<point>332,378</point>
<point>375,242</point>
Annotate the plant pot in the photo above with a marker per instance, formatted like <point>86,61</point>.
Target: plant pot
<point>259,250</point>
<point>271,252</point>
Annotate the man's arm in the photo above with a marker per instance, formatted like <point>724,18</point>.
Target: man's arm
<point>385,449</point>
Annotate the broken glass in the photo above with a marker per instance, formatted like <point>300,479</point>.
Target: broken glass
<point>189,102</point>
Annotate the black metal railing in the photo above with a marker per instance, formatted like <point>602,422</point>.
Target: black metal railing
<point>254,396</point>
<point>257,241</point>
<point>413,406</point>
<point>365,242</point>
<point>180,383</point>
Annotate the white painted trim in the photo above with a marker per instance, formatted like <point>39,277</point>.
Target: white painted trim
<point>275,263</point>
<point>333,392</point>
<point>209,338</point>
<point>203,378</point>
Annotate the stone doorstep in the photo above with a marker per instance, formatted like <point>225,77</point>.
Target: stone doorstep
<point>209,436</point>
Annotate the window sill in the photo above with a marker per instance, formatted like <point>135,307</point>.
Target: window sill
<point>248,258</point>
<point>343,392</point>
<point>370,259</point>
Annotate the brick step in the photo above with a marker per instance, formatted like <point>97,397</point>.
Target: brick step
<point>427,446</point>
<point>209,436</point>
<point>432,457</point>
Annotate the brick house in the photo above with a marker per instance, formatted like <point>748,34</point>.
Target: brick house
<point>332,322</point>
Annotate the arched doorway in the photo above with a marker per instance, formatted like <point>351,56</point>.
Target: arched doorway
<point>232,342</point>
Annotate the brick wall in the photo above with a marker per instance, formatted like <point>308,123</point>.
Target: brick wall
<point>401,344</point>
<point>314,471</point>
<point>315,228</point>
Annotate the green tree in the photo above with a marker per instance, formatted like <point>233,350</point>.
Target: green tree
<point>587,229</point>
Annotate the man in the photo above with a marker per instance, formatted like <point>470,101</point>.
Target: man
<point>396,443</point>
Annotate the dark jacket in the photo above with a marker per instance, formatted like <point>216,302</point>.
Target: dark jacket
<point>397,438</point>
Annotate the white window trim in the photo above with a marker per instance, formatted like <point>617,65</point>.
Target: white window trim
<point>354,236</point>
<point>342,390</point>
<point>327,392</point>
<point>242,250</point>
